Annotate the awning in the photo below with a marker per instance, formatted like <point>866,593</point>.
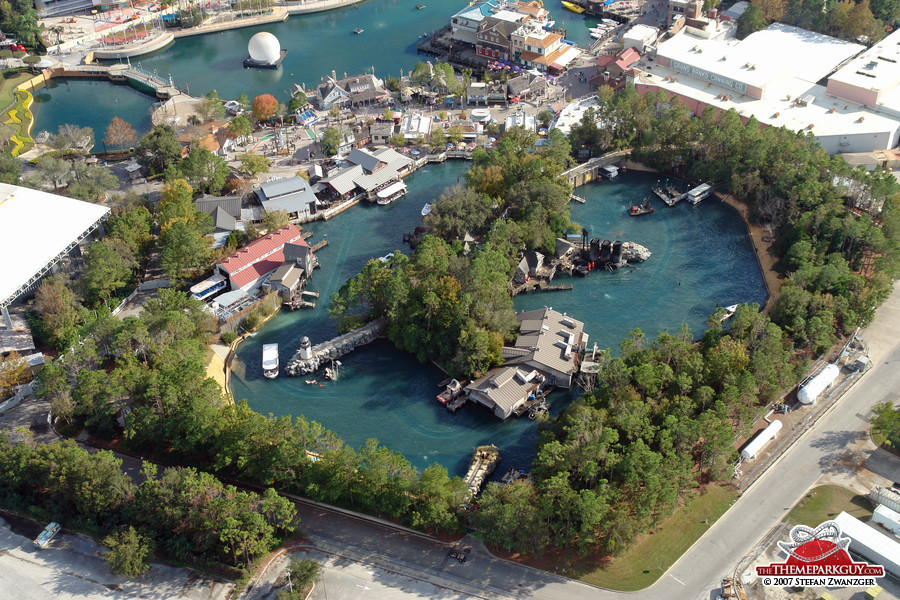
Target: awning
<point>397,186</point>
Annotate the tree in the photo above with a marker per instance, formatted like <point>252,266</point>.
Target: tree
<point>772,10</point>
<point>334,112</point>
<point>10,169</point>
<point>183,249</point>
<point>240,127</point>
<point>108,267</point>
<point>59,312</point>
<point>275,219</point>
<point>52,169</point>
<point>752,20</point>
<point>158,149</point>
<point>264,107</point>
<point>205,170</point>
<point>303,572</point>
<point>129,552</point>
<point>887,422</point>
<point>14,370</point>
<point>253,164</point>
<point>90,182</point>
<point>72,137</point>
<point>244,101</point>
<point>297,102</point>
<point>331,141</point>
<point>211,108</point>
<point>120,134</point>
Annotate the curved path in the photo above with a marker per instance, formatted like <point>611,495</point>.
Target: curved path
<point>699,570</point>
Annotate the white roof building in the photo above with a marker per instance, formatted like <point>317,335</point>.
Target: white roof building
<point>771,75</point>
<point>873,77</point>
<point>415,126</point>
<point>37,230</point>
<point>871,544</point>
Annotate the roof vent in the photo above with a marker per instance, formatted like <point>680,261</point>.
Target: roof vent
<point>861,119</point>
<point>831,110</point>
<point>810,126</point>
<point>776,115</point>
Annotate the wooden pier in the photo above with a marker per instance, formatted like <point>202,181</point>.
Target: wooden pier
<point>538,285</point>
<point>576,198</point>
<point>319,246</point>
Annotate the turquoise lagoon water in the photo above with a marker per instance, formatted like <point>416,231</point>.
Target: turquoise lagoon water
<point>90,103</point>
<point>388,395</point>
<point>316,44</point>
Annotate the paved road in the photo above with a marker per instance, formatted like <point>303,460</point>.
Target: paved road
<point>699,571</point>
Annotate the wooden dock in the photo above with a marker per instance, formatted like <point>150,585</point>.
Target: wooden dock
<point>538,285</point>
<point>320,245</point>
<point>307,234</point>
<point>576,198</point>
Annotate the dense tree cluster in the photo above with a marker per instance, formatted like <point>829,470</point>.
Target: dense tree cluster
<point>188,514</point>
<point>847,19</point>
<point>663,418</point>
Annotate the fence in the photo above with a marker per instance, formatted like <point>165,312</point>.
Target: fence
<point>127,299</point>
<point>20,395</point>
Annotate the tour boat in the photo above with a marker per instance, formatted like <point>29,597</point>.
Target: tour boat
<point>358,30</point>
<point>573,7</point>
<point>426,210</point>
<point>311,382</point>
<point>420,6</point>
<point>610,22</point>
<point>270,360</point>
<point>597,35</point>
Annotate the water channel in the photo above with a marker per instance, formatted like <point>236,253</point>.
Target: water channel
<point>701,258</point>
<point>316,44</point>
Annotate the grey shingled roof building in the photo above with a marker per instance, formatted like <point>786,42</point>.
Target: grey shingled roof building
<point>550,343</point>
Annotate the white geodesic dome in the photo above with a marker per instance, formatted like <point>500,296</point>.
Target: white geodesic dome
<point>264,47</point>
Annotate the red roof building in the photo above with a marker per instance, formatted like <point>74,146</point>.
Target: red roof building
<point>611,69</point>
<point>259,258</point>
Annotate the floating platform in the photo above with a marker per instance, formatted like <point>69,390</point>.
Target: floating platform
<point>484,461</point>
<point>249,63</point>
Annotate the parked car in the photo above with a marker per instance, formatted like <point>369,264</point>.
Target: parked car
<point>895,487</point>
<point>458,556</point>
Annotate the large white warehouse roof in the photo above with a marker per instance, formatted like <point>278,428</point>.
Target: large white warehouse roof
<point>35,229</point>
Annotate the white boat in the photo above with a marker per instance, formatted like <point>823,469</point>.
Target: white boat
<point>729,312</point>
<point>426,210</point>
<point>270,360</point>
<point>596,35</point>
<point>610,22</point>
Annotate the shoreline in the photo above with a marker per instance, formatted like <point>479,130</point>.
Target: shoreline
<point>761,249</point>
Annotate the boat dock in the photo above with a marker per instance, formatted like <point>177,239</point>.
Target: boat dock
<point>319,245</point>
<point>538,285</point>
<point>484,461</point>
<point>576,198</point>
<point>538,399</point>
<point>669,195</point>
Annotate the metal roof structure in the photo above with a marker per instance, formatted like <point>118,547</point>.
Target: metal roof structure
<point>291,195</point>
<point>871,544</point>
<point>37,229</point>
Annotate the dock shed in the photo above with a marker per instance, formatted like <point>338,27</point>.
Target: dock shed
<point>887,518</point>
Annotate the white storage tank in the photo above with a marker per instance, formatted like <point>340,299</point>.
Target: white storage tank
<point>752,449</point>
<point>810,391</point>
<point>887,518</point>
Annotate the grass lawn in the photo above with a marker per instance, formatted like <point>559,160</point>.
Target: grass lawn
<point>826,502</point>
<point>8,84</point>
<point>649,558</point>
